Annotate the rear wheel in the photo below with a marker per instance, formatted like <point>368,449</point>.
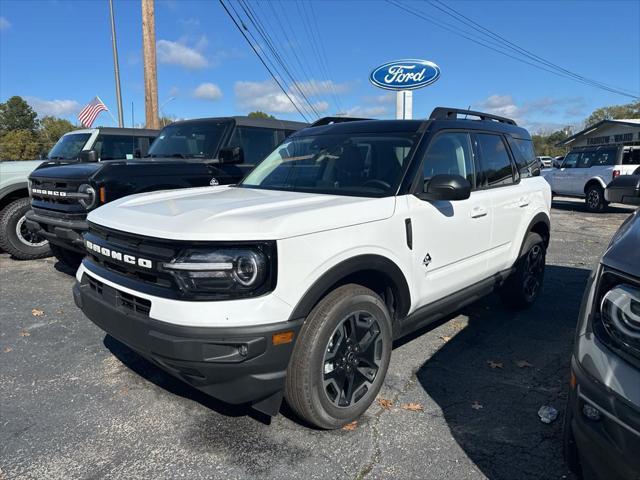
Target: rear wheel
<point>15,238</point>
<point>523,287</point>
<point>341,357</point>
<point>68,257</point>
<point>594,199</point>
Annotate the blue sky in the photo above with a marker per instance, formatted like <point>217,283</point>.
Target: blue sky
<point>57,54</point>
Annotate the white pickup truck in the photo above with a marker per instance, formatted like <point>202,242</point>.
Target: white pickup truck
<point>586,172</point>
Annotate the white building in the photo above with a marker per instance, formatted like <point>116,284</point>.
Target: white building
<point>606,132</point>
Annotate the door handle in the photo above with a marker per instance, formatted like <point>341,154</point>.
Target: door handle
<point>477,212</point>
<point>523,202</point>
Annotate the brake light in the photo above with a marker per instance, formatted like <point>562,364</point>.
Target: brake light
<point>616,173</point>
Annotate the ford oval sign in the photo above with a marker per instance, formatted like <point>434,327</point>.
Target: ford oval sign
<point>405,74</point>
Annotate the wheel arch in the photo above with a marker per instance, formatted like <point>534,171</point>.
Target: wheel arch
<point>540,224</point>
<point>13,192</point>
<point>594,181</point>
<point>376,272</point>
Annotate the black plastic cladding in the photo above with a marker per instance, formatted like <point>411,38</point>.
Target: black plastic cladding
<point>164,250</point>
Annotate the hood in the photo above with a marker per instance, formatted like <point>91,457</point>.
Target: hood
<point>623,253</point>
<point>235,214</point>
<point>68,171</point>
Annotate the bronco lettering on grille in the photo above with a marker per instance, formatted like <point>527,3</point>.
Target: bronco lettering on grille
<point>115,255</point>
<point>50,193</point>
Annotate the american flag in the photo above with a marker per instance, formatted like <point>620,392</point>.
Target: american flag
<point>89,113</point>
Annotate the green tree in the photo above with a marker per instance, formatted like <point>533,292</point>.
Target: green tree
<point>16,114</point>
<point>629,110</point>
<point>259,114</point>
<point>19,145</point>
<point>51,129</point>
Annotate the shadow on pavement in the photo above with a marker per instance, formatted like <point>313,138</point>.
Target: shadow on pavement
<point>576,205</point>
<point>491,408</point>
<point>162,379</point>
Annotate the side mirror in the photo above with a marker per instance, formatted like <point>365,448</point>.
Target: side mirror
<point>86,156</point>
<point>446,187</point>
<point>231,155</point>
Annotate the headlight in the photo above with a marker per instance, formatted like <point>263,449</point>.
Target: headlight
<point>242,271</point>
<point>620,309</point>
<point>89,199</point>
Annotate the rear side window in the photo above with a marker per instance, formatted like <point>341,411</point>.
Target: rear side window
<point>496,169</point>
<point>111,147</point>
<point>524,155</point>
<point>631,157</point>
<point>449,153</point>
<point>598,158</point>
<point>256,143</point>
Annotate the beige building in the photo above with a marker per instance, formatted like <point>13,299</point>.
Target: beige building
<point>606,132</point>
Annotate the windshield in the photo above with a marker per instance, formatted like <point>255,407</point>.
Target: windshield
<point>351,164</point>
<point>189,140</point>
<point>69,146</point>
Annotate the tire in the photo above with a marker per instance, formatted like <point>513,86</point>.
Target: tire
<point>321,397</point>
<point>521,289</point>
<point>594,199</point>
<point>68,257</point>
<point>15,239</point>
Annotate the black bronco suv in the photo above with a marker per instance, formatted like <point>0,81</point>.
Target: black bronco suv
<point>190,153</point>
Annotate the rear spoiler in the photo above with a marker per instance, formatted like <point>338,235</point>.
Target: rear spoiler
<point>330,120</point>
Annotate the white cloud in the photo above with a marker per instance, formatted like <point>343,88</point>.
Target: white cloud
<point>208,91</point>
<point>385,98</point>
<point>4,23</point>
<point>361,111</point>
<point>57,108</point>
<point>268,97</point>
<point>177,53</point>
<point>321,87</point>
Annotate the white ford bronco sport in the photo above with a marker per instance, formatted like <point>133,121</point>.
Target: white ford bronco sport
<point>297,280</point>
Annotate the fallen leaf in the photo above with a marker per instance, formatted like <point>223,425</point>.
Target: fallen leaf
<point>124,390</point>
<point>350,427</point>
<point>60,312</point>
<point>24,333</point>
<point>8,349</point>
<point>493,364</point>
<point>523,364</point>
<point>37,313</point>
<point>476,406</point>
<point>386,404</point>
<point>445,338</point>
<point>412,407</point>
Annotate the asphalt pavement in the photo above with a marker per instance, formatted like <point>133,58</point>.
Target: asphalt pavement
<point>460,400</point>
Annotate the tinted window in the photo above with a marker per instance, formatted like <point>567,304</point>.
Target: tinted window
<point>602,157</point>
<point>189,140</point>
<point>524,155</point>
<point>571,160</point>
<point>349,164</point>
<point>256,143</point>
<point>110,147</point>
<point>450,153</point>
<point>495,162</point>
<point>631,157</point>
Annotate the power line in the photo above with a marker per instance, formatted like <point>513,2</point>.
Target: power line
<point>261,59</point>
<point>513,46</point>
<point>494,46</point>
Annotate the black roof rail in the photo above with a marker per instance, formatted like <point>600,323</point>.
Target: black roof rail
<point>446,113</point>
<point>330,120</point>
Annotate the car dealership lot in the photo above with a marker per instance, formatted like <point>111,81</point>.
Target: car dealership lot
<point>77,404</point>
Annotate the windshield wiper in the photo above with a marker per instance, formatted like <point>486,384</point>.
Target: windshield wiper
<point>168,155</point>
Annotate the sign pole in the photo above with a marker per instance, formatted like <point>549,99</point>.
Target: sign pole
<point>404,105</point>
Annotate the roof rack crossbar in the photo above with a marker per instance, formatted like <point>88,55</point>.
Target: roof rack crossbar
<point>330,120</point>
<point>446,113</point>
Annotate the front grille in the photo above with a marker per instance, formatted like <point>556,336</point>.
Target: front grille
<point>49,201</point>
<point>138,305</point>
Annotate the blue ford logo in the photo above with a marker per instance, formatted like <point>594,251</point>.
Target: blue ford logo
<point>405,74</point>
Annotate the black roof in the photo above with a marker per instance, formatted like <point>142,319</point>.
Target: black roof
<point>142,132</point>
<point>251,122</point>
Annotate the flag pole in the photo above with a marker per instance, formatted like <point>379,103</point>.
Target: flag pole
<point>108,111</point>
<point>116,66</point>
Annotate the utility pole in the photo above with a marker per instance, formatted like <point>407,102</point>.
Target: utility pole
<point>150,69</point>
<point>116,65</point>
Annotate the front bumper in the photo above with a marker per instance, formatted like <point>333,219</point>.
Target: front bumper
<point>59,231</point>
<point>234,364</point>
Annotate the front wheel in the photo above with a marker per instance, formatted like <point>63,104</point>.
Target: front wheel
<point>341,357</point>
<point>15,238</point>
<point>594,199</point>
<point>524,285</point>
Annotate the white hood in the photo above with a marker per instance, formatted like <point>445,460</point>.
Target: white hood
<point>231,213</point>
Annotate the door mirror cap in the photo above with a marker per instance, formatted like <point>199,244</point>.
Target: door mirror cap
<point>231,155</point>
<point>446,187</point>
<point>88,156</point>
